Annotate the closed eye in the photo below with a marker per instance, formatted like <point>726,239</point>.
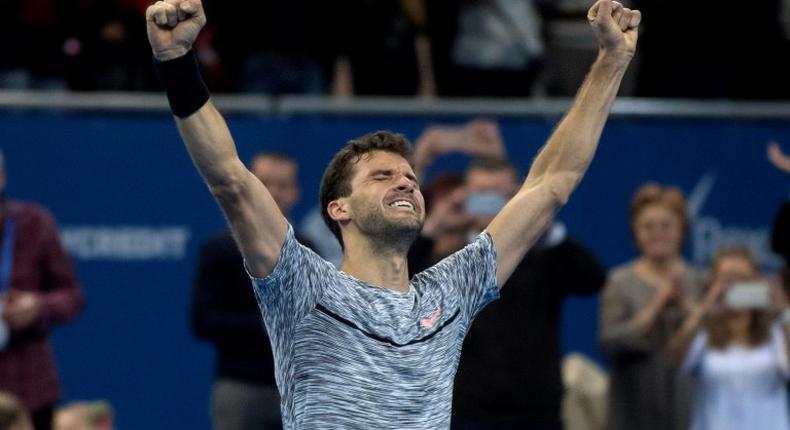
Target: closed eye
<point>381,175</point>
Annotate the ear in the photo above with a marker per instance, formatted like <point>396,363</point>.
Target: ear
<point>338,210</point>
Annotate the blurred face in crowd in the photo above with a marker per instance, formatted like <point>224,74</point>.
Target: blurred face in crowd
<point>455,220</point>
<point>71,419</point>
<point>658,232</point>
<point>732,269</point>
<point>281,179</point>
<point>385,200</point>
<point>490,185</point>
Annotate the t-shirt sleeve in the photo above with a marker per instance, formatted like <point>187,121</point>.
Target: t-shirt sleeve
<point>469,274</point>
<point>293,287</point>
<point>778,343</point>
<point>696,352</point>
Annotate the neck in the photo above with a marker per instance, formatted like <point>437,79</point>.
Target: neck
<point>739,332</point>
<point>377,265</point>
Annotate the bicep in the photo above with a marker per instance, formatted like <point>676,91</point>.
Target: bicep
<point>258,226</point>
<point>519,225</point>
<point>254,218</point>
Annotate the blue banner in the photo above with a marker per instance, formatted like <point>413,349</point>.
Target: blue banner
<point>133,212</point>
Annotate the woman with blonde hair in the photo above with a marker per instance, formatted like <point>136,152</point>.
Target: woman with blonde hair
<point>643,304</point>
<point>736,350</point>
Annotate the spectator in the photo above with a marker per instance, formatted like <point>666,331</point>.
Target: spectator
<point>12,415</point>
<point>498,49</point>
<point>701,63</point>
<point>315,231</point>
<point>447,226</point>
<point>105,47</point>
<point>224,311</point>
<point>39,290</point>
<point>96,415</point>
<point>274,47</point>
<point>643,304</point>
<point>736,355</point>
<point>568,45</point>
<point>392,58</point>
<point>446,223</point>
<point>30,41</point>
<point>509,374</point>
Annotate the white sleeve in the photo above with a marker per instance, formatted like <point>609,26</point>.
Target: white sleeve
<point>693,359</point>
<point>780,348</point>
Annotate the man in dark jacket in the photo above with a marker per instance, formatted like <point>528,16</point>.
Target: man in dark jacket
<point>224,312</point>
<point>509,374</point>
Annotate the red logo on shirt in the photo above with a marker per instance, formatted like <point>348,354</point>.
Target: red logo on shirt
<point>430,320</point>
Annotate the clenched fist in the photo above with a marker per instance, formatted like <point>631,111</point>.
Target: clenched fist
<point>173,25</point>
<point>615,26</point>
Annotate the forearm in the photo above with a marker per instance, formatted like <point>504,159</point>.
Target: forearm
<point>644,321</point>
<point>60,305</point>
<point>416,11</point>
<point>618,337</point>
<point>210,145</point>
<point>342,78</point>
<point>680,342</point>
<point>422,47</point>
<point>568,153</point>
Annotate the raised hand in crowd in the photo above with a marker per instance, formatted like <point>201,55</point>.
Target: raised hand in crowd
<point>778,158</point>
<point>477,138</point>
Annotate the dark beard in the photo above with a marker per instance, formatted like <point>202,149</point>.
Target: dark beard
<point>389,236</point>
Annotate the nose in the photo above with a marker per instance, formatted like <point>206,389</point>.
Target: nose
<point>406,185</point>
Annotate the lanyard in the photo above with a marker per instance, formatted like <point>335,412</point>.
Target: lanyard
<point>7,255</point>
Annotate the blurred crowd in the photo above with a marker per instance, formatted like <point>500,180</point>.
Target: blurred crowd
<point>492,48</point>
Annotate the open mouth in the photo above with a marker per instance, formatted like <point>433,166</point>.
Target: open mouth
<point>402,204</point>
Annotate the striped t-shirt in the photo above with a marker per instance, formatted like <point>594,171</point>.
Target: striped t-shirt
<point>350,355</point>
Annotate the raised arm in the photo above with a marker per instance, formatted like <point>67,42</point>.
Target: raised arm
<point>257,223</point>
<point>564,159</point>
<point>681,340</point>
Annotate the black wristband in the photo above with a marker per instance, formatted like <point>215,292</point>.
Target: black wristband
<point>183,83</point>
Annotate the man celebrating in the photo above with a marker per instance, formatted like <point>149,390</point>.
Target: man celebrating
<point>364,347</point>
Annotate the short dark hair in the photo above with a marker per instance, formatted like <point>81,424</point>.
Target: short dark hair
<point>336,182</point>
<point>273,155</point>
<point>491,163</point>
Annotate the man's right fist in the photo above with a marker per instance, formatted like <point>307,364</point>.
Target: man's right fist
<point>173,26</point>
<point>615,26</point>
